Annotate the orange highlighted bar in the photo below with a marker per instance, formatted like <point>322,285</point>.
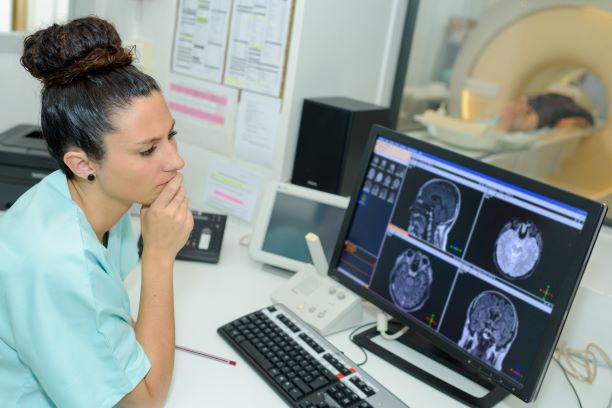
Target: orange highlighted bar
<point>350,248</point>
<point>398,230</point>
<point>390,150</point>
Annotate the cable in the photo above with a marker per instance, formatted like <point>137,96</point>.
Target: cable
<point>582,364</point>
<point>382,326</point>
<point>568,380</point>
<point>352,334</point>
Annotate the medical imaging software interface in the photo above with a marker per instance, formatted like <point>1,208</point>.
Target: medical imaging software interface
<point>471,258</point>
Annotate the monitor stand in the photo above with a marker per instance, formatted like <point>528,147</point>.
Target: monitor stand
<point>418,343</point>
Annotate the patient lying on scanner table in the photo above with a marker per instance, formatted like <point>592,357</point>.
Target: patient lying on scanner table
<point>549,110</point>
<point>520,124</point>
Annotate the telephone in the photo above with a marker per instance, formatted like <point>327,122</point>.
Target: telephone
<point>205,239</point>
<point>320,301</point>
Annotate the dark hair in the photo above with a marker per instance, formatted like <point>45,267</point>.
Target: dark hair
<point>86,75</point>
<point>552,107</point>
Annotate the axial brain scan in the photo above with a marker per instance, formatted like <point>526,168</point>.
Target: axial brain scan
<point>490,327</point>
<point>410,281</point>
<point>518,248</point>
<point>434,212</point>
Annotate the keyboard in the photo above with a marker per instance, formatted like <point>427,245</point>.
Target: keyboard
<point>300,365</point>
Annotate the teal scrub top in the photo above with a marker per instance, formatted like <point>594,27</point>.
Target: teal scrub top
<point>66,338</point>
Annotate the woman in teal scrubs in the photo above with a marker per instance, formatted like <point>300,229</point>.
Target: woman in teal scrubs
<point>66,335</point>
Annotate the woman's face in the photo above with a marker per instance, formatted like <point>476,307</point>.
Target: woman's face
<point>141,157</point>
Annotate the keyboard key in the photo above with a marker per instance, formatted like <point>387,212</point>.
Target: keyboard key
<point>253,352</point>
<point>295,394</point>
<point>302,385</point>
<point>319,382</point>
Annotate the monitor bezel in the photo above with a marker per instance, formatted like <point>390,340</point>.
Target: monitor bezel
<point>266,210</point>
<point>565,295</point>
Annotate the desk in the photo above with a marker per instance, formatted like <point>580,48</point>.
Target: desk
<point>208,296</point>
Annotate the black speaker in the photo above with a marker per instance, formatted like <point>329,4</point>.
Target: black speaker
<point>333,133</point>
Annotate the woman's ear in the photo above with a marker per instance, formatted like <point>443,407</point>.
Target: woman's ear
<point>78,162</point>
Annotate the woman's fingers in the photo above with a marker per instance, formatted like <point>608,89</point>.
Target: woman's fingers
<point>169,191</point>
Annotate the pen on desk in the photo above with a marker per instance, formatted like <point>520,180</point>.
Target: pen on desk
<point>199,353</point>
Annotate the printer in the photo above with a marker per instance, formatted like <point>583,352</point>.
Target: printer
<point>24,161</point>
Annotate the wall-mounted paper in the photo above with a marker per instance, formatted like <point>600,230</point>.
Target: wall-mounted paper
<point>257,44</point>
<point>232,189</point>
<point>200,39</point>
<point>202,102</point>
<point>257,128</point>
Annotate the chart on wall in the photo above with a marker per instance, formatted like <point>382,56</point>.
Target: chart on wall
<point>200,40</point>
<point>257,45</point>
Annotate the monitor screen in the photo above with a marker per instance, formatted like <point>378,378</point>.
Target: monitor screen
<point>286,214</point>
<point>292,218</point>
<point>481,262</point>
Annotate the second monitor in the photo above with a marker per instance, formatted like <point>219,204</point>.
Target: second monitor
<point>289,212</point>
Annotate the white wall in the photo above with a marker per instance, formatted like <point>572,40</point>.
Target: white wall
<point>341,48</point>
<point>20,95</point>
<point>6,11</point>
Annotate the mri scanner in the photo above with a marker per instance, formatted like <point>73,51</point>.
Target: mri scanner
<point>515,42</point>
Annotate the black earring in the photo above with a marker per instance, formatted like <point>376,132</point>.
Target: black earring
<point>91,177</point>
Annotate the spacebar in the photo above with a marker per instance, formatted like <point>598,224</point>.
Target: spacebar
<point>256,355</point>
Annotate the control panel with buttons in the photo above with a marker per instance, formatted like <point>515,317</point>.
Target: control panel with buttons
<point>322,302</point>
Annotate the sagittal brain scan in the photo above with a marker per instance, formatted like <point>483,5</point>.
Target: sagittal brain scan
<point>518,248</point>
<point>434,211</point>
<point>490,327</point>
<point>410,281</point>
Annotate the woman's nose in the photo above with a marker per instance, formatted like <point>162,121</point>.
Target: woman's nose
<point>174,161</point>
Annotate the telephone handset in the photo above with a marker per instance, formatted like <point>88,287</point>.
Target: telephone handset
<point>205,239</point>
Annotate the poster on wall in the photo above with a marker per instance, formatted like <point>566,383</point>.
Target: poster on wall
<point>257,45</point>
<point>200,39</point>
<point>232,189</point>
<point>205,112</point>
<point>257,128</point>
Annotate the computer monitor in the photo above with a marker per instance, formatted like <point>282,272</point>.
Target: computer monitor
<point>480,263</point>
<point>289,212</point>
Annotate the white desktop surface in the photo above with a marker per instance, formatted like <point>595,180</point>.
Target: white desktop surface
<point>208,296</point>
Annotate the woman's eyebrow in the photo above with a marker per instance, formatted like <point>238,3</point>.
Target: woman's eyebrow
<point>156,139</point>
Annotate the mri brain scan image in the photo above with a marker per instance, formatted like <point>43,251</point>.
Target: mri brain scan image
<point>410,281</point>
<point>434,212</point>
<point>518,248</point>
<point>490,327</point>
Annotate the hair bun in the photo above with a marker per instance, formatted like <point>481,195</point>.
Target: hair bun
<point>60,53</point>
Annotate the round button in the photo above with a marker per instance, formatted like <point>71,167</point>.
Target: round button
<point>341,295</point>
<point>312,309</point>
<point>321,314</point>
<point>332,290</point>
